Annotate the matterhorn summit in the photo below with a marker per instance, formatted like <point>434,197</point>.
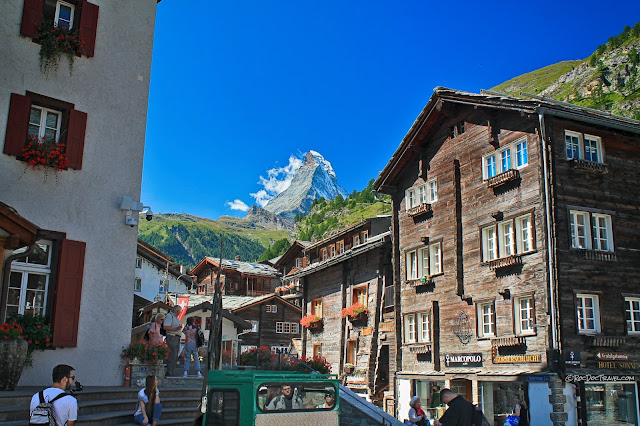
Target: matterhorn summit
<point>314,179</point>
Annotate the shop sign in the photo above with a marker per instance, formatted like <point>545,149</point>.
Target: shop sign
<point>463,360</point>
<point>367,331</point>
<point>612,356</point>
<point>387,326</point>
<point>572,358</point>
<point>538,378</point>
<point>619,365</point>
<point>516,359</point>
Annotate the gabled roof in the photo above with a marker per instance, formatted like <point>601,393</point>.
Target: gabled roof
<point>160,260</point>
<point>267,298</point>
<point>245,268</point>
<point>296,247</point>
<point>228,302</point>
<point>432,114</point>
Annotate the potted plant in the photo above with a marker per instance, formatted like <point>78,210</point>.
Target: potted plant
<point>311,321</point>
<point>348,368</point>
<point>355,312</point>
<point>56,41</point>
<point>40,152</point>
<point>145,358</point>
<point>13,354</point>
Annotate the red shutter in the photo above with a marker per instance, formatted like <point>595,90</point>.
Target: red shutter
<point>88,27</point>
<point>31,17</point>
<point>68,294</point>
<point>17,124</point>
<point>75,138</point>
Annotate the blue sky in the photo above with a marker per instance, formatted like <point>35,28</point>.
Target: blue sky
<point>239,88</point>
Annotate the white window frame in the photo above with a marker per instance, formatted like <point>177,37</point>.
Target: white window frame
<point>137,284</point>
<point>279,327</point>
<point>581,146</point>
<point>524,233</point>
<point>365,236</point>
<point>324,254</point>
<point>435,259</point>
<point>333,251</point>
<point>295,328</point>
<point>410,329</point>
<point>524,315</point>
<point>162,289</point>
<point>521,146</point>
<point>25,268</point>
<point>486,318</point>
<point>582,311</point>
<point>504,159</point>
<point>424,327</point>
<point>424,262</point>
<point>633,315</point>
<point>57,15</point>
<point>297,262</point>
<point>42,125</point>
<point>506,246</point>
<point>592,236</point>
<point>489,243</point>
<point>573,140</point>
<point>356,240</point>
<point>432,190</point>
<point>138,262</point>
<point>341,247</point>
<point>255,326</point>
<point>411,265</point>
<point>286,327</point>
<point>411,198</point>
<point>424,193</point>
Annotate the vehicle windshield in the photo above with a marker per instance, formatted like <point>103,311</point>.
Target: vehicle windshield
<point>274,397</point>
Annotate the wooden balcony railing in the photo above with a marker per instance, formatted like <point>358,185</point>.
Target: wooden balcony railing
<point>605,341</point>
<point>503,262</point>
<point>502,178</point>
<point>418,210</point>
<point>578,163</point>
<point>604,256</point>
<point>502,342</point>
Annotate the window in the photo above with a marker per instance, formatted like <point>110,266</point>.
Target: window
<point>279,327</point>
<point>633,314</point>
<point>424,330</point>
<point>268,400</point>
<point>333,251</point>
<point>458,129</point>
<point>410,328</point>
<point>588,313</point>
<point>41,116</point>
<point>486,319</point>
<point>583,146</point>
<point>591,231</point>
<point>507,238</point>
<point>316,307</point>
<point>29,282</point>
<point>297,262</point>
<point>295,328</point>
<point>425,193</point>
<point>137,284</point>
<point>271,308</point>
<point>64,15</point>
<point>255,326</point>
<point>352,351</point>
<point>163,287</point>
<point>324,254</point>
<point>341,247</point>
<point>138,262</point>
<point>280,349</point>
<point>365,236</point>
<point>356,240</point>
<point>524,315</point>
<point>360,295</point>
<point>317,349</point>
<point>223,407</point>
<point>286,327</point>
<point>424,262</point>
<point>500,161</point>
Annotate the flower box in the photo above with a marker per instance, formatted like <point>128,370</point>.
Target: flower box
<point>355,312</point>
<point>311,322</point>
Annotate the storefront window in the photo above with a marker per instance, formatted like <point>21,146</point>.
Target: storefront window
<point>497,399</point>
<point>429,393</point>
<point>611,403</point>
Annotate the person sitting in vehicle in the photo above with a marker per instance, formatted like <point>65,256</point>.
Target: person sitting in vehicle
<point>287,400</point>
<point>329,400</point>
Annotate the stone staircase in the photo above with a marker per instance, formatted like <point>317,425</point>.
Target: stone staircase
<point>103,406</point>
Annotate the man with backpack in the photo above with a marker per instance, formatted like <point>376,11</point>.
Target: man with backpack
<point>54,406</point>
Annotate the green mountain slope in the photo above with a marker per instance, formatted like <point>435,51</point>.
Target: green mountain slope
<point>608,80</point>
<point>188,239</point>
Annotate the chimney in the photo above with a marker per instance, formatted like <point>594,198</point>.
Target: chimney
<point>237,257</point>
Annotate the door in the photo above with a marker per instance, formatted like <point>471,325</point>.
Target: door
<point>462,387</point>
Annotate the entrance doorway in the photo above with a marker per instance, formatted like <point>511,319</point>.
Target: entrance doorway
<point>462,387</point>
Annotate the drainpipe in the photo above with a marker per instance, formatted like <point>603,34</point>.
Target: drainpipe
<point>551,241</point>
<point>6,272</point>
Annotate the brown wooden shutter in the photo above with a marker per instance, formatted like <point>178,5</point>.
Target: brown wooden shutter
<point>31,17</point>
<point>68,294</point>
<point>17,124</point>
<point>88,27</point>
<point>75,138</point>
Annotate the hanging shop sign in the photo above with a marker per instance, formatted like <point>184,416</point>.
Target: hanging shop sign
<point>386,326</point>
<point>572,358</point>
<point>516,359</point>
<point>463,360</point>
<point>612,356</point>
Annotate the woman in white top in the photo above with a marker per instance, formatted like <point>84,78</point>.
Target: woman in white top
<point>149,406</point>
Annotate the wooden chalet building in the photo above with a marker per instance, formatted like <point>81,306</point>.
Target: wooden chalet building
<point>515,233</point>
<point>237,278</point>
<point>352,266</point>
<point>288,264</point>
<point>157,274</point>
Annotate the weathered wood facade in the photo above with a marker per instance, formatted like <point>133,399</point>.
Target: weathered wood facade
<point>482,247</point>
<point>291,261</point>
<point>352,266</point>
<point>237,278</point>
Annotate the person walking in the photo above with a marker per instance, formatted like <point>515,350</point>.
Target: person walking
<point>191,346</point>
<point>155,336</point>
<point>459,413</point>
<point>65,406</point>
<point>520,410</point>
<point>416,413</point>
<point>149,408</point>
<point>173,328</point>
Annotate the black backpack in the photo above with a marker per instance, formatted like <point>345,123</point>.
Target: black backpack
<point>479,418</point>
<point>200,337</point>
<point>44,414</point>
<point>146,334</point>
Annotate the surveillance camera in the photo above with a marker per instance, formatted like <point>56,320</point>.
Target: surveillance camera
<point>129,220</point>
<point>148,213</point>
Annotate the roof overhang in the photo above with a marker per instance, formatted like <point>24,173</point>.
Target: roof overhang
<point>18,231</point>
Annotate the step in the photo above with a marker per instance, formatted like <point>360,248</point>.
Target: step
<point>184,422</point>
<point>124,417</point>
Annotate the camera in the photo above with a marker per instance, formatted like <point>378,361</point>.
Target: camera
<point>129,220</point>
<point>148,213</point>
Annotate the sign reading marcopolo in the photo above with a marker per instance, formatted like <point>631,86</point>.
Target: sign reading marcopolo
<point>463,360</point>
<point>516,359</point>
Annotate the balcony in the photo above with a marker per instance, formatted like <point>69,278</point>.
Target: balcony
<point>420,348</point>
<point>418,210</point>
<point>593,166</point>
<point>603,256</point>
<point>505,262</point>
<point>510,175</point>
<point>605,341</point>
<point>511,341</point>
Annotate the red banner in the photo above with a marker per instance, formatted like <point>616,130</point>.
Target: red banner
<point>183,302</point>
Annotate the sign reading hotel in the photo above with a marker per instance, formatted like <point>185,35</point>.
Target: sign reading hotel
<point>516,359</point>
<point>620,365</point>
<point>463,360</point>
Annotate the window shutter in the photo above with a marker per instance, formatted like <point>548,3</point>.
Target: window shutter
<point>68,294</point>
<point>31,17</point>
<point>75,138</point>
<point>17,124</point>
<point>88,27</point>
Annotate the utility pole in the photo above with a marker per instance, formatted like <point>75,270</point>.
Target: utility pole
<point>215,336</point>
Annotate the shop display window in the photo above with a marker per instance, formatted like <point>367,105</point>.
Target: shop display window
<point>497,399</point>
<point>611,403</point>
